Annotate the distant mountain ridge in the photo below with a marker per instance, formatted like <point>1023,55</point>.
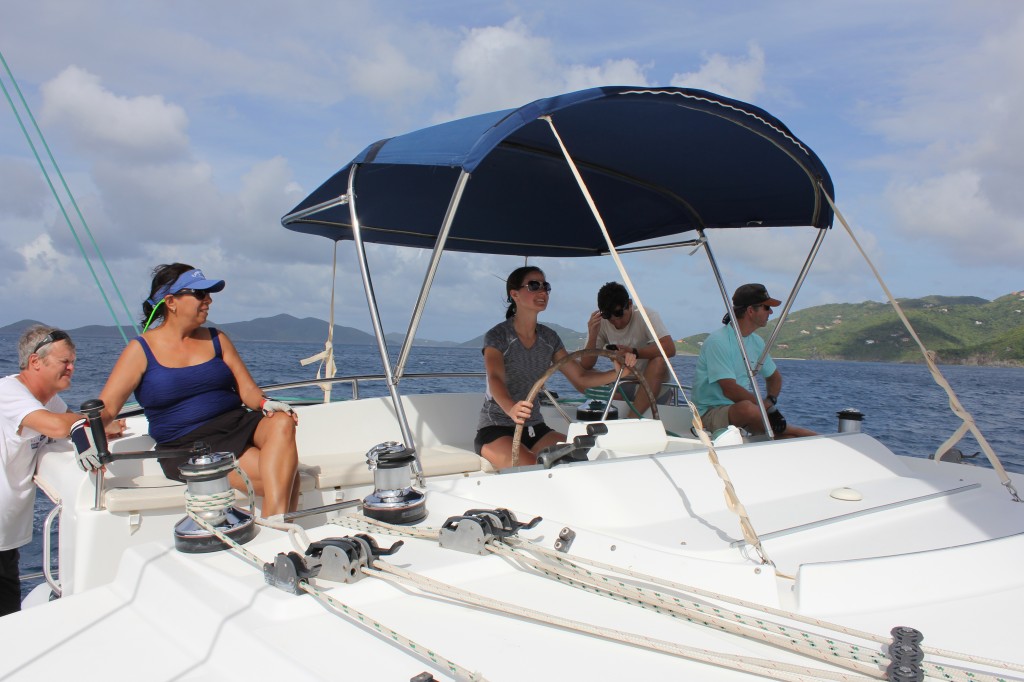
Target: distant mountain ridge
<point>958,329</point>
<point>282,328</point>
<point>572,339</point>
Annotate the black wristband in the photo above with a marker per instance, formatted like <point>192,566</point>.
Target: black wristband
<point>773,399</point>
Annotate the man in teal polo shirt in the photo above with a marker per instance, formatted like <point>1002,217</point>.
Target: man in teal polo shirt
<point>722,390</point>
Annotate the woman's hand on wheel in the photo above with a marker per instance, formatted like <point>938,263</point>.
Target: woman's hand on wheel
<point>521,411</point>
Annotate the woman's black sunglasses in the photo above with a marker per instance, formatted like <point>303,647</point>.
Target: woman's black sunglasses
<point>535,286</point>
<point>200,294</point>
<point>55,335</point>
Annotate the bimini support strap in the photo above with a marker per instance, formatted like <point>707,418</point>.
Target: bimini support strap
<point>929,358</point>
<point>326,356</point>
<point>731,498</point>
<point>378,328</point>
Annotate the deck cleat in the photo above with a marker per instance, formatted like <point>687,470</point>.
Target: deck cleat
<point>206,474</point>
<point>393,499</point>
<point>342,559</point>
<point>472,531</point>
<point>336,559</point>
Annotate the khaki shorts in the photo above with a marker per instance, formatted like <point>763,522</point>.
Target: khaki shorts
<point>716,418</point>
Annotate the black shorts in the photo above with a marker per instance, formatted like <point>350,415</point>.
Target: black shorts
<point>232,432</point>
<point>10,585</point>
<point>489,434</point>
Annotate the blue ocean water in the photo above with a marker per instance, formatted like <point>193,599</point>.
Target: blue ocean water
<point>903,406</point>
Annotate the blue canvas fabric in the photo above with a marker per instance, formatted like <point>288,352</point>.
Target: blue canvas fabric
<point>658,162</point>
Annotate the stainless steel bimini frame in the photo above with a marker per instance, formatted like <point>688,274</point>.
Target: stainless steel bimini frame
<point>753,369</point>
<point>394,373</point>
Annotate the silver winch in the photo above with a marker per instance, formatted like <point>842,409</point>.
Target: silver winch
<point>206,474</point>
<point>850,420</point>
<point>393,499</point>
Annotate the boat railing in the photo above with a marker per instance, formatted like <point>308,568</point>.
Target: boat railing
<point>356,382</point>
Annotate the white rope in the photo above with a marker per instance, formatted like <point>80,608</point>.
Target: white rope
<point>326,356</point>
<point>805,638</point>
<point>954,402</point>
<point>365,523</point>
<point>356,616</point>
<point>747,664</point>
<point>222,500</point>
<point>731,498</point>
<point>575,560</point>
<point>808,644</point>
<point>818,645</point>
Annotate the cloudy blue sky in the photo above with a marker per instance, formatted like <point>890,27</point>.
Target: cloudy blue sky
<point>187,129</point>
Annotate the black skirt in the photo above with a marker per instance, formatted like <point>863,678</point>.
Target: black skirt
<point>232,432</point>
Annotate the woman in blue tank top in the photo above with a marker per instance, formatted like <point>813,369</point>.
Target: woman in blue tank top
<point>193,386</point>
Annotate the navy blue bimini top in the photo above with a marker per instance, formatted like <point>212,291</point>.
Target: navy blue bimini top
<point>179,399</point>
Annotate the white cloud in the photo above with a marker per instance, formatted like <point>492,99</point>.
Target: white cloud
<point>502,66</point>
<point>739,78</point>
<point>138,127</point>
<point>954,211</point>
<point>387,72</point>
<point>957,177</point>
<point>507,66</point>
<point>24,192</point>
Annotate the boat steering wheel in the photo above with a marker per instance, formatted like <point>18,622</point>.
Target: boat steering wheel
<point>557,365</point>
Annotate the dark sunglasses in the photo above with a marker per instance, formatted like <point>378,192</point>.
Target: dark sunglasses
<point>535,286</point>
<point>609,314</point>
<point>55,335</point>
<point>200,294</point>
<point>761,306</point>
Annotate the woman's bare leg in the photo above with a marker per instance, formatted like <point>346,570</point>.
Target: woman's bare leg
<point>499,451</point>
<point>272,464</point>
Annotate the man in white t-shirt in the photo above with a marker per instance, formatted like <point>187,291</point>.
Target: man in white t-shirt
<point>614,323</point>
<point>31,415</point>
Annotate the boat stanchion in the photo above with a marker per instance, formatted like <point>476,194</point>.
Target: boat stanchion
<point>393,499</point>
<point>850,420</point>
<point>336,559</point>
<point>206,474</point>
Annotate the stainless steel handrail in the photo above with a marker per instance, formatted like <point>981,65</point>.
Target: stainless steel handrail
<point>47,571</point>
<point>357,379</point>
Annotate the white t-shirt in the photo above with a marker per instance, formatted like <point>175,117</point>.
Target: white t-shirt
<point>18,460</point>
<point>633,335</point>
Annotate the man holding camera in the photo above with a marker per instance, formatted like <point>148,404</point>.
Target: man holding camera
<point>614,323</point>
<point>722,390</point>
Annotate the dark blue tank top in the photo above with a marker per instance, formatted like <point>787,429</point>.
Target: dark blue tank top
<point>179,399</point>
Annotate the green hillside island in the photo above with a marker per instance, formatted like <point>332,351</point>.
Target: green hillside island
<point>959,329</point>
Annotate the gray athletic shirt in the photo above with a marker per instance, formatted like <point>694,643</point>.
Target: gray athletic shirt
<point>523,366</point>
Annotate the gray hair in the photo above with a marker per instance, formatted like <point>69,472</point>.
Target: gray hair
<point>30,338</point>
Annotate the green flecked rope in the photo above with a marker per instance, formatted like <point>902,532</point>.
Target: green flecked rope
<point>60,204</point>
